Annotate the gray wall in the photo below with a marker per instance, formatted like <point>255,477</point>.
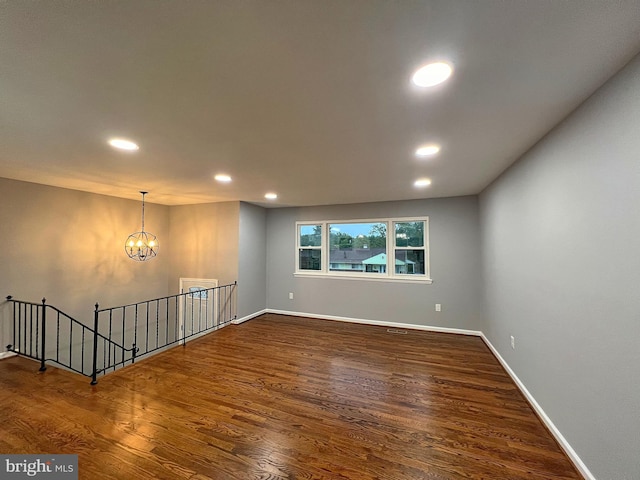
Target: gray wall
<point>252,265</point>
<point>205,242</point>
<point>560,237</point>
<point>68,246</point>
<point>455,267</point>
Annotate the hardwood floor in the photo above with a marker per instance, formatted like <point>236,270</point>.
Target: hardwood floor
<point>288,398</point>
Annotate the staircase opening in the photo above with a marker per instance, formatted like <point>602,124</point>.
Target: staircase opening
<point>116,336</point>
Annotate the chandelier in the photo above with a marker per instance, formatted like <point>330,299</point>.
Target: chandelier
<point>141,246</point>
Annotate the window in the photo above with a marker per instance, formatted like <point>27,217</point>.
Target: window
<point>409,247</point>
<point>310,247</point>
<point>359,247</point>
<point>383,249</point>
<point>201,293</point>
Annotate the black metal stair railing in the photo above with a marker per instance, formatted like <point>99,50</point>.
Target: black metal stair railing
<point>119,335</point>
<point>157,324</point>
<point>46,334</point>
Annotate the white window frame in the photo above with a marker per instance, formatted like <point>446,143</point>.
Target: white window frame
<point>306,247</point>
<point>425,246</point>
<point>389,275</point>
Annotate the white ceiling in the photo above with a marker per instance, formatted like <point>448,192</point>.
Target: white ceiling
<point>308,98</point>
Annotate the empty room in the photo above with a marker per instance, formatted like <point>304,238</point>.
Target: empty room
<point>320,239</point>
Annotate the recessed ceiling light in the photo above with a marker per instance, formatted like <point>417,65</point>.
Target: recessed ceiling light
<point>422,182</point>
<point>221,177</point>
<point>123,144</point>
<point>432,74</point>
<point>427,150</point>
<point>271,196</point>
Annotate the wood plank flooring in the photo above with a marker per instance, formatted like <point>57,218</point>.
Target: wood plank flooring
<point>288,398</point>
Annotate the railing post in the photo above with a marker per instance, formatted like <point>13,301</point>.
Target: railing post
<point>43,367</point>
<point>94,375</point>
<point>10,347</point>
<point>234,296</point>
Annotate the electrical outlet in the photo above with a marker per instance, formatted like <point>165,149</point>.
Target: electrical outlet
<point>290,295</point>
<point>513,342</point>
<point>438,307</point>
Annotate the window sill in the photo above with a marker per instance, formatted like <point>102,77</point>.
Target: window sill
<point>423,281</point>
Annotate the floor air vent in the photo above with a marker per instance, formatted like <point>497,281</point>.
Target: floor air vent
<point>396,331</point>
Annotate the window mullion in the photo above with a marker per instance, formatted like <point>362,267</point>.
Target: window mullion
<point>325,248</point>
<point>391,254</point>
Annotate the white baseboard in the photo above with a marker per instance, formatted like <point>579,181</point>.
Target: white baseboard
<point>408,326</point>
<point>564,444</point>
<point>4,355</point>
<point>238,321</point>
